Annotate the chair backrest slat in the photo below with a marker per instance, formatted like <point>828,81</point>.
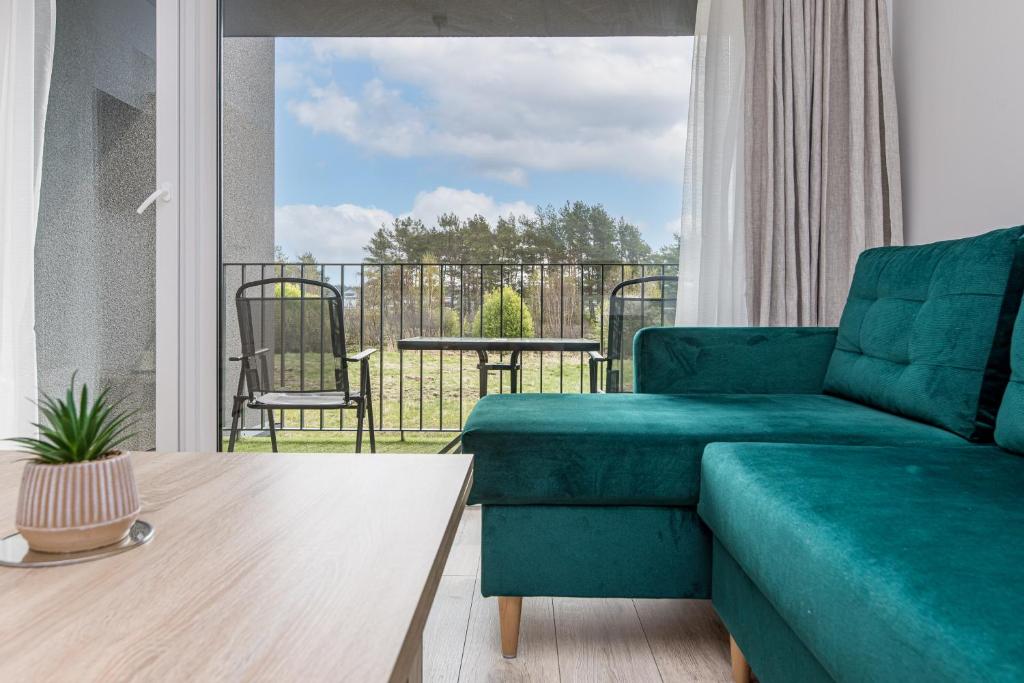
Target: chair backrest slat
<point>257,312</point>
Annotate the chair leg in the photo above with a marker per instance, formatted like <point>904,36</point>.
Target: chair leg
<point>236,409</point>
<point>369,418</point>
<point>359,428</point>
<point>236,415</point>
<point>510,609</point>
<point>740,668</point>
<point>273,430</point>
<point>366,394</point>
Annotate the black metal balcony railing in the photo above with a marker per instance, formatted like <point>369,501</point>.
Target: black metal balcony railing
<point>434,391</point>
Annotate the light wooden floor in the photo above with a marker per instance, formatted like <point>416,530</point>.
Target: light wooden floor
<point>565,639</point>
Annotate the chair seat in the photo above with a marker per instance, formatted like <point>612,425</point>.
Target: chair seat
<point>894,564</point>
<point>305,399</point>
<point>645,449</point>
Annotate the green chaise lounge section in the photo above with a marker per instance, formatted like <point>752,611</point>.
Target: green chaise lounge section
<point>596,495</point>
<point>906,567</point>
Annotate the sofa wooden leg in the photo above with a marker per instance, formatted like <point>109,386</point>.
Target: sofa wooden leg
<point>509,612</point>
<point>740,668</point>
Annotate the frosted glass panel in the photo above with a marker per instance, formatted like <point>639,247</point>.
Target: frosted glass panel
<point>95,256</point>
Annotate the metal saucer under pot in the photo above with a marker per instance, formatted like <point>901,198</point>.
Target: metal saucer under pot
<point>14,550</point>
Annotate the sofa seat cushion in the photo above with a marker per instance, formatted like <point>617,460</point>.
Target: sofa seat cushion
<point>926,330</point>
<point>894,564</point>
<point>645,449</point>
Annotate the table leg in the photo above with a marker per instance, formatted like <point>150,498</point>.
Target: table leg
<point>483,372</point>
<point>482,366</point>
<point>513,373</point>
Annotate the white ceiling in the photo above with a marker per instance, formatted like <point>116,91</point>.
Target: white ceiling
<point>399,18</point>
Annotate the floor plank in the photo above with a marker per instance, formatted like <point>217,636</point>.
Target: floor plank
<point>444,637</point>
<point>464,558</point>
<point>687,638</point>
<point>602,640</point>
<point>537,660</point>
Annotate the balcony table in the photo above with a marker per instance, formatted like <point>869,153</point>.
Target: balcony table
<point>263,567</point>
<point>514,346</point>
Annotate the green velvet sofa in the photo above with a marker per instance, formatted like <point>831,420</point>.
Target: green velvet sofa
<point>680,490</point>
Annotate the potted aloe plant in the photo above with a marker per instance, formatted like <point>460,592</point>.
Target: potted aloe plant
<point>78,491</point>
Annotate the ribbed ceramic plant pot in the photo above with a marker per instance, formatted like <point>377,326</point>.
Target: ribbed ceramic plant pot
<point>77,506</point>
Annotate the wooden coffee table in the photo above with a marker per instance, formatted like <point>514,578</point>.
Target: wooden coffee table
<point>269,567</point>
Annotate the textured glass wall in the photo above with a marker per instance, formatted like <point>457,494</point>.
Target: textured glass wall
<point>94,254</point>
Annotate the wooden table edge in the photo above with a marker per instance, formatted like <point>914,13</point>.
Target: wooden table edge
<point>411,653</point>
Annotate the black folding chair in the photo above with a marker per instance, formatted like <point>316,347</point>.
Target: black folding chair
<point>299,316</point>
<point>633,304</point>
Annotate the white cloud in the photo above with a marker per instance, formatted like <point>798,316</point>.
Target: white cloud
<point>334,234</point>
<point>463,203</point>
<point>513,176</point>
<point>337,234</point>
<point>294,70</point>
<point>289,76</point>
<point>379,120</point>
<point>511,105</point>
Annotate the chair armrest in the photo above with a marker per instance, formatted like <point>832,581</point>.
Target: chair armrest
<point>731,360</point>
<point>255,353</point>
<point>361,356</point>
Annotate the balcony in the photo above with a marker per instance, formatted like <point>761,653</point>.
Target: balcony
<point>423,397</point>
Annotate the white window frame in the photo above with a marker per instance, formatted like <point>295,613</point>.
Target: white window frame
<point>187,239</point>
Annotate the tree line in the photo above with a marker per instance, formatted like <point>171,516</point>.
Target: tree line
<point>576,232</point>
<point>433,300</point>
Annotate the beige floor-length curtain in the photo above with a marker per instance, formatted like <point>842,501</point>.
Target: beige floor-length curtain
<point>822,153</point>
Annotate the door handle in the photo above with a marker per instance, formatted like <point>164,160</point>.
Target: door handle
<point>163,193</point>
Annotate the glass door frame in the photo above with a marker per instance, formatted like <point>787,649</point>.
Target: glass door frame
<point>187,224</point>
<point>167,216</point>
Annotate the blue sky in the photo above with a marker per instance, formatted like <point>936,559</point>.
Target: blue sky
<point>370,129</point>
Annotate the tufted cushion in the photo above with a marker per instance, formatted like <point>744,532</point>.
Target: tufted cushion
<point>1010,424</point>
<point>925,332</point>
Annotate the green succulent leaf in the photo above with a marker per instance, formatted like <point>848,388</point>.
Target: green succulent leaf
<point>75,429</point>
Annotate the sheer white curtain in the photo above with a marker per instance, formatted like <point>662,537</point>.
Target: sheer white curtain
<point>712,269</point>
<point>26,60</point>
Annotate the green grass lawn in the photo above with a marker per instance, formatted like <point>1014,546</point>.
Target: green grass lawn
<point>345,442</point>
<point>429,387</point>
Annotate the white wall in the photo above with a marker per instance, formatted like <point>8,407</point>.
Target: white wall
<point>960,91</point>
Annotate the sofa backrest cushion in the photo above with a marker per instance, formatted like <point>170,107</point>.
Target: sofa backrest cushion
<point>1010,423</point>
<point>926,330</point>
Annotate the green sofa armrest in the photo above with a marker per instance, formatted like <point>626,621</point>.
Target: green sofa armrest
<point>731,360</point>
